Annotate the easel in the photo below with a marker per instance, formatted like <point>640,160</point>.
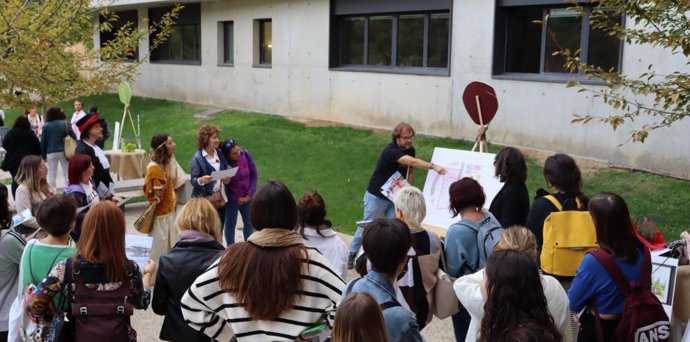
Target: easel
<point>480,140</point>
<point>125,93</point>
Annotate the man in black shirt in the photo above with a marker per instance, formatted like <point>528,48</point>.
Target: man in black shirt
<point>399,156</point>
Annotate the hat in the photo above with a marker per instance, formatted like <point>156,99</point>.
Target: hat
<point>85,123</point>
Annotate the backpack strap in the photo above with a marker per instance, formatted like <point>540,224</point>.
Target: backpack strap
<point>465,266</point>
<point>555,202</point>
<point>349,286</point>
<point>607,260</point>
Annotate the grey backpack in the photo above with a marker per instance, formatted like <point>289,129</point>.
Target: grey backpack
<point>488,232</point>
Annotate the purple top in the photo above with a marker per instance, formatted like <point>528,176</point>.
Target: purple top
<point>244,182</point>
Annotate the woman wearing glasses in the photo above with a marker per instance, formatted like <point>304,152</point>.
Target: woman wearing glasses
<point>398,155</point>
<point>240,189</point>
<point>32,177</point>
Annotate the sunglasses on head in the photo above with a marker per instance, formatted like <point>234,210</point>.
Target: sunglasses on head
<point>230,144</point>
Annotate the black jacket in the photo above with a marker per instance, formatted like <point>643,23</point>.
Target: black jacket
<point>19,143</point>
<point>100,175</point>
<point>511,204</point>
<point>177,270</point>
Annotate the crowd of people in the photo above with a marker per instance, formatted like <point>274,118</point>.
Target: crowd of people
<point>286,279</point>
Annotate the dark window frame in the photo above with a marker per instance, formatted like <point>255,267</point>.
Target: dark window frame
<point>226,57</point>
<point>500,58</point>
<point>262,60</point>
<point>190,16</point>
<point>124,17</point>
<point>337,51</point>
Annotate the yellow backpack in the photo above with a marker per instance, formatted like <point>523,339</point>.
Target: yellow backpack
<point>568,236</point>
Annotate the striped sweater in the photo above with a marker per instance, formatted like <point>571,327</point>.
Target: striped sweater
<point>209,309</point>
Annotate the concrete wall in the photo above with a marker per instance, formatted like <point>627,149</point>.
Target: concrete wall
<point>299,84</point>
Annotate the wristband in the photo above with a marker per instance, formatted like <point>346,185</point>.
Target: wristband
<point>432,166</point>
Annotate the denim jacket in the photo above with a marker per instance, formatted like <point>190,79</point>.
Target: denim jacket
<point>400,322</point>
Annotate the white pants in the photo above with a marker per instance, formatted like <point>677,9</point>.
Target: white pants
<point>53,159</point>
<point>164,234</point>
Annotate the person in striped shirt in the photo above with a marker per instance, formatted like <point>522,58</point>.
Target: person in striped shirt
<point>270,288</point>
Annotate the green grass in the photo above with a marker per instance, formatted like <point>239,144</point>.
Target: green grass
<point>338,161</point>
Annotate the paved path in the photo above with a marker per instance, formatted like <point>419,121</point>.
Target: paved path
<point>148,324</point>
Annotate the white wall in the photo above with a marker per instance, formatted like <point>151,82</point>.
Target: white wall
<point>299,84</point>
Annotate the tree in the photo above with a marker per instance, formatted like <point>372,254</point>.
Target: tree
<point>47,53</point>
<point>662,99</point>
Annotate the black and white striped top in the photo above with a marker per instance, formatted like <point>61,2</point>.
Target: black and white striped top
<point>209,309</point>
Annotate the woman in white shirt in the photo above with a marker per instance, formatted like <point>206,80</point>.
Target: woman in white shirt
<point>318,233</point>
<point>32,177</point>
<point>467,288</point>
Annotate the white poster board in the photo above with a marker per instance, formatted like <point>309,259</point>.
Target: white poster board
<point>458,164</point>
<point>664,272</point>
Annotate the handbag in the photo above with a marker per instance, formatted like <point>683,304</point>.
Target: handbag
<point>70,144</point>
<point>144,223</point>
<point>445,302</point>
<point>216,200</point>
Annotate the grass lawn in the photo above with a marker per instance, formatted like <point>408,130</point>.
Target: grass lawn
<point>338,161</point>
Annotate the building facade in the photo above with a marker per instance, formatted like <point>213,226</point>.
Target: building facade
<point>374,63</point>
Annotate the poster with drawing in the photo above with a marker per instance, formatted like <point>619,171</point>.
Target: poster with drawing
<point>458,164</point>
<point>664,271</point>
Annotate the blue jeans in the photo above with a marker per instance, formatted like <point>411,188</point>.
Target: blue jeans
<point>231,210</point>
<point>374,207</point>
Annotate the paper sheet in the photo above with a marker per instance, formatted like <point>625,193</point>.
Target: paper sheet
<point>228,173</point>
<point>138,249</point>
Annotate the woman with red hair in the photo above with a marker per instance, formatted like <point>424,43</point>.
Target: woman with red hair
<point>81,187</point>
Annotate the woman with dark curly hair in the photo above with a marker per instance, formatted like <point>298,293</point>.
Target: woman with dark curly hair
<point>516,308</point>
<point>511,204</point>
<point>207,159</point>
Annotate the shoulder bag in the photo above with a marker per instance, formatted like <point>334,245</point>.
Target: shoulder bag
<point>445,302</point>
<point>70,143</point>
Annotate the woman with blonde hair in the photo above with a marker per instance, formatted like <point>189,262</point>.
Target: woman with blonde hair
<point>359,319</point>
<point>468,288</point>
<point>32,177</point>
<point>159,186</point>
<point>269,288</point>
<point>198,245</point>
<point>99,264</point>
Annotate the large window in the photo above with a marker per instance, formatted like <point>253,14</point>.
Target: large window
<point>265,41</point>
<point>528,38</point>
<point>391,36</point>
<point>184,44</point>
<point>226,31</point>
<point>123,18</point>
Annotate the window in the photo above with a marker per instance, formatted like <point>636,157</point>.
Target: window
<point>404,36</point>
<point>184,44</point>
<point>226,29</point>
<point>264,44</point>
<point>527,36</point>
<point>124,17</point>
